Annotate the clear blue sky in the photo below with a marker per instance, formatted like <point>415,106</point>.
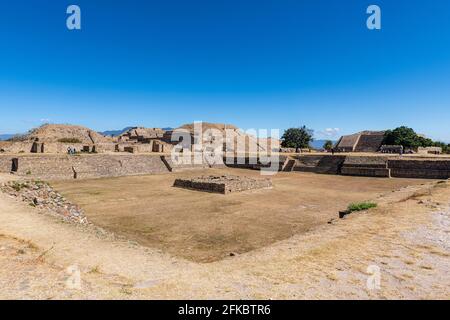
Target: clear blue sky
<point>253,63</point>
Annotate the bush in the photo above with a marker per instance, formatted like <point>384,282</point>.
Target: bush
<point>17,186</point>
<point>361,206</point>
<point>69,140</point>
<point>328,145</point>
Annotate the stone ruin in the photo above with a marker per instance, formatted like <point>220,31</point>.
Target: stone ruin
<point>395,149</point>
<point>429,150</point>
<point>211,138</point>
<point>365,141</point>
<point>223,184</point>
<point>41,195</point>
<point>143,140</point>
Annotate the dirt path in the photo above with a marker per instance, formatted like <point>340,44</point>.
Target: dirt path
<point>406,237</point>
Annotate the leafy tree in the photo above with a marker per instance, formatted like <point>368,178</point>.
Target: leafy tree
<point>406,137</point>
<point>328,145</point>
<point>297,138</point>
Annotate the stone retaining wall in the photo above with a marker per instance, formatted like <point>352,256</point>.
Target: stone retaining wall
<point>16,147</point>
<point>64,167</point>
<point>55,167</point>
<point>418,168</point>
<point>375,166</point>
<point>366,167</point>
<point>188,165</point>
<point>366,172</point>
<point>324,164</point>
<point>5,164</point>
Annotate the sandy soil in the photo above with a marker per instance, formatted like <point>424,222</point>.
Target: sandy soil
<point>406,237</point>
<point>205,227</point>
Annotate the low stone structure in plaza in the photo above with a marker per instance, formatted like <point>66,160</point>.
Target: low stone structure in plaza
<point>223,184</point>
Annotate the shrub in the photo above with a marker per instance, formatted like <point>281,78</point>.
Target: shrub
<point>17,186</point>
<point>361,206</point>
<point>328,145</point>
<point>69,140</point>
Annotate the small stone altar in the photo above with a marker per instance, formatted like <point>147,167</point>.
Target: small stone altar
<point>223,184</point>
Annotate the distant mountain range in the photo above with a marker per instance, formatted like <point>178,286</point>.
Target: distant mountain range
<point>116,133</point>
<point>6,136</point>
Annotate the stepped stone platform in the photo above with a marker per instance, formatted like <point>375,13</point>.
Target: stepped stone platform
<point>366,167</point>
<point>255,163</point>
<point>319,164</point>
<point>420,168</point>
<point>223,184</point>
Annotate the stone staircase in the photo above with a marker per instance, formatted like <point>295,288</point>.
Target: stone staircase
<point>189,165</point>
<point>324,164</point>
<point>289,166</point>
<point>369,143</point>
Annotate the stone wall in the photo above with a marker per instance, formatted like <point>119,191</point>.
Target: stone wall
<point>241,162</point>
<point>56,167</point>
<point>57,147</point>
<point>375,166</point>
<point>16,147</point>
<point>255,163</point>
<point>325,164</point>
<point>186,165</point>
<point>419,168</point>
<point>366,172</point>
<point>5,164</point>
<point>51,147</point>
<point>364,161</point>
<point>365,166</point>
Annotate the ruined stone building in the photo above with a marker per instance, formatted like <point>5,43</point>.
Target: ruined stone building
<point>365,141</point>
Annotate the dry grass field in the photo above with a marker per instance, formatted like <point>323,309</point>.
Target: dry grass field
<point>205,227</point>
<point>407,237</point>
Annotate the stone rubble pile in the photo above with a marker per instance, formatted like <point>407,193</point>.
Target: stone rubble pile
<point>41,195</point>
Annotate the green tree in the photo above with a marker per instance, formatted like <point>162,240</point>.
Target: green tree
<point>328,145</point>
<point>406,137</point>
<point>297,138</point>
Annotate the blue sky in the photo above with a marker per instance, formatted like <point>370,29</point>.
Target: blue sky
<point>253,63</point>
